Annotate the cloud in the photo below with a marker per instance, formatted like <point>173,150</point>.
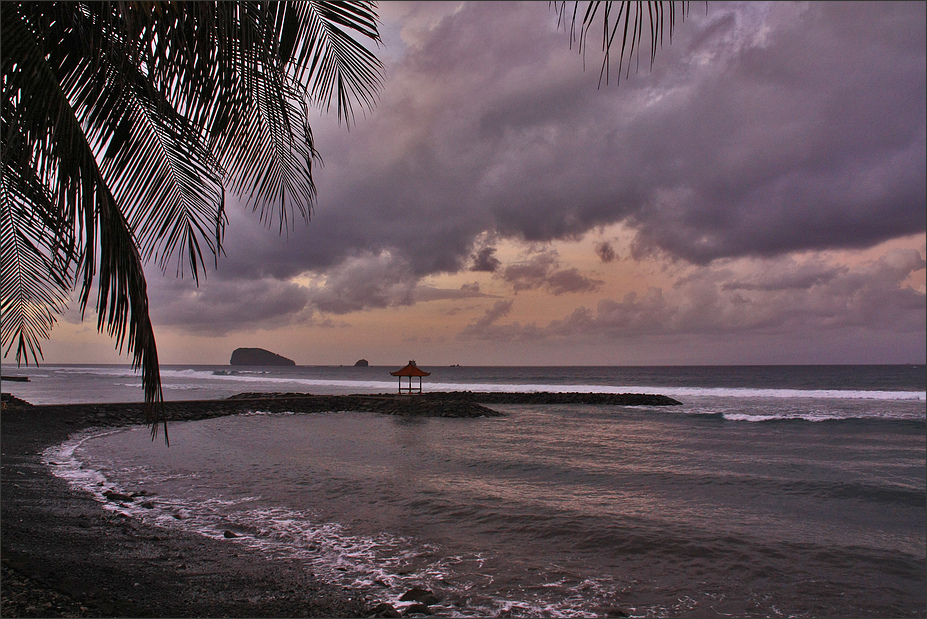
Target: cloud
<point>543,270</point>
<point>486,327</point>
<point>377,281</point>
<point>815,272</point>
<point>791,140</point>
<point>605,251</point>
<point>431,293</point>
<point>789,297</point>
<point>764,129</point>
<point>363,282</point>
<point>222,307</point>
<point>484,260</point>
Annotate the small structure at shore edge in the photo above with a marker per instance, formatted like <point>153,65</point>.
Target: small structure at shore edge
<point>410,370</point>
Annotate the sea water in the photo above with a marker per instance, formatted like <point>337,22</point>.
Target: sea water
<point>772,491</point>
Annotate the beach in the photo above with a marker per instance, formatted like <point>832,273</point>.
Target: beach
<point>64,555</point>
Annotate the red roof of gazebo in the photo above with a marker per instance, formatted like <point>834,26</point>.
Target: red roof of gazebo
<point>410,370</point>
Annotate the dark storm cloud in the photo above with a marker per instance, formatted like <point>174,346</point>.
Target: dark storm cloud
<point>225,306</point>
<point>811,138</point>
<point>763,129</point>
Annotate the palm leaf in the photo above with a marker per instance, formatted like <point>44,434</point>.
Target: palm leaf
<point>167,181</point>
<point>34,286</point>
<point>282,58</point>
<point>46,123</point>
<point>123,125</point>
<point>628,20</point>
<point>336,66</point>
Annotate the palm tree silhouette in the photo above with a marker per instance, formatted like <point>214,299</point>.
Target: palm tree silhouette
<point>124,123</point>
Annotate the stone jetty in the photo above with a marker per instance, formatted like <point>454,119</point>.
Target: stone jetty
<point>433,404</point>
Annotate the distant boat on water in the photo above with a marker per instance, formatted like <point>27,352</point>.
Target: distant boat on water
<point>18,379</point>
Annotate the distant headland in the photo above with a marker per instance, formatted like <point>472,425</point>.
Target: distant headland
<point>258,356</point>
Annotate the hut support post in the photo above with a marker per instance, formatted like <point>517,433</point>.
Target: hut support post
<point>410,388</point>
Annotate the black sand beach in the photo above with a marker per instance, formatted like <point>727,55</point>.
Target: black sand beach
<point>64,555</point>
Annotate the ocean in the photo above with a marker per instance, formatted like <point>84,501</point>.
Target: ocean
<point>793,491</point>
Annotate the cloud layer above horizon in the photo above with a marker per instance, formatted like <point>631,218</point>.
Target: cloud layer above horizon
<point>731,196</point>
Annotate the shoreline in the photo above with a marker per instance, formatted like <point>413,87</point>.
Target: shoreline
<point>64,555</point>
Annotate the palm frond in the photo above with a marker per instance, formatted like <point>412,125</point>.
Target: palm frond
<point>39,122</point>
<point>627,19</point>
<point>281,57</point>
<point>165,178</point>
<point>35,282</point>
<point>337,66</point>
<point>122,302</point>
<point>170,184</point>
<point>125,122</point>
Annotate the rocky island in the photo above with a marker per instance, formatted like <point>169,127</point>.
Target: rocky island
<point>258,356</point>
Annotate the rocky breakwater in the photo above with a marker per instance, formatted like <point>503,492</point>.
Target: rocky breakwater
<point>434,404</point>
<point>387,404</point>
<point>114,415</point>
<point>547,397</point>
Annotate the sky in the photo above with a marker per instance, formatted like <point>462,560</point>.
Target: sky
<point>756,197</point>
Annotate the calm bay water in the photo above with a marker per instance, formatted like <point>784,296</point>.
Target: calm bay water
<point>778,491</point>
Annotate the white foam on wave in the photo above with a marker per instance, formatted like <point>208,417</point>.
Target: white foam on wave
<point>64,464</point>
<point>327,547</point>
<point>330,550</point>
<point>822,394</point>
<point>759,418</point>
<point>718,392</point>
<point>816,417</point>
<point>98,370</point>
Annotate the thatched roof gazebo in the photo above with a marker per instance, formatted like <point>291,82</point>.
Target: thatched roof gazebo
<point>410,370</point>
